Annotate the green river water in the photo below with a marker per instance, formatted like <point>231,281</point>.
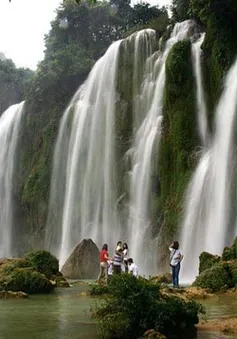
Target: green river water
<point>66,315</point>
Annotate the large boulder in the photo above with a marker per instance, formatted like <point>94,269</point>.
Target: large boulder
<point>83,262</point>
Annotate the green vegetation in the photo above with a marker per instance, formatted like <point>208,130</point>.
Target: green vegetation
<point>218,18</point>
<point>26,280</point>
<point>207,260</point>
<point>216,273</point>
<point>98,289</point>
<point>218,277</point>
<point>37,272</point>
<point>135,305</point>
<point>43,262</point>
<point>230,253</point>
<point>13,83</point>
<point>179,138</point>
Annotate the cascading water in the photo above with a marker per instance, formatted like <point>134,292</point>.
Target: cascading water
<point>207,224</point>
<point>144,42</point>
<point>83,191</point>
<point>10,122</point>
<point>83,188</point>
<point>142,245</point>
<point>200,97</point>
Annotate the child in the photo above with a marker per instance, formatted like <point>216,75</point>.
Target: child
<point>110,269</point>
<point>132,267</point>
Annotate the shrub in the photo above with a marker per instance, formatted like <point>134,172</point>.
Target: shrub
<point>231,268</point>
<point>98,289</point>
<point>207,260</point>
<point>215,278</point>
<point>135,305</point>
<point>230,253</point>
<point>43,262</point>
<point>28,281</point>
<point>227,254</point>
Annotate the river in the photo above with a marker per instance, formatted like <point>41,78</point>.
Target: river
<point>65,314</point>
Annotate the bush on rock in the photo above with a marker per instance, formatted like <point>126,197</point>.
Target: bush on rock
<point>37,272</point>
<point>135,305</point>
<point>230,253</point>
<point>28,281</point>
<point>207,260</point>
<point>214,278</point>
<point>43,262</point>
<point>218,273</point>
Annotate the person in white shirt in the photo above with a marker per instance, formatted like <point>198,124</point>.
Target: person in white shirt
<point>132,267</point>
<point>176,257</point>
<point>110,269</point>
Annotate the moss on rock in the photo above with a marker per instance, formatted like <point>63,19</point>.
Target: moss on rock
<point>207,260</point>
<point>214,278</point>
<point>26,280</point>
<point>221,276</point>
<point>43,262</point>
<point>37,272</point>
<point>218,273</point>
<point>230,253</point>
<point>179,139</point>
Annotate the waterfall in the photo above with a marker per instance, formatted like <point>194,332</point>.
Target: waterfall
<point>83,199</point>
<point>207,223</point>
<point>143,245</point>
<point>144,42</point>
<point>83,190</point>
<point>10,122</point>
<point>200,97</point>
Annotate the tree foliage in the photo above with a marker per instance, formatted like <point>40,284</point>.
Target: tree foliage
<point>13,82</point>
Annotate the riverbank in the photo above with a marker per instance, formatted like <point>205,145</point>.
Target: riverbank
<point>225,325</point>
<point>221,317</point>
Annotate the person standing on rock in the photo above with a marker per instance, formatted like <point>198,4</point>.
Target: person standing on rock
<point>104,257</point>
<point>175,259</point>
<point>117,261</point>
<point>125,256</point>
<point>119,246</point>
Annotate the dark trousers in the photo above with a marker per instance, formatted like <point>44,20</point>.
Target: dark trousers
<point>175,275</point>
<point>126,266</point>
<point>117,269</point>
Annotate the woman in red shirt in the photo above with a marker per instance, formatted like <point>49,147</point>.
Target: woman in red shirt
<point>104,257</point>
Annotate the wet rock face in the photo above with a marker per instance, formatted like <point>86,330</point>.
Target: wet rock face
<point>83,262</point>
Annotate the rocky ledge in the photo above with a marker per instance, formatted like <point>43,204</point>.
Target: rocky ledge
<point>13,295</point>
